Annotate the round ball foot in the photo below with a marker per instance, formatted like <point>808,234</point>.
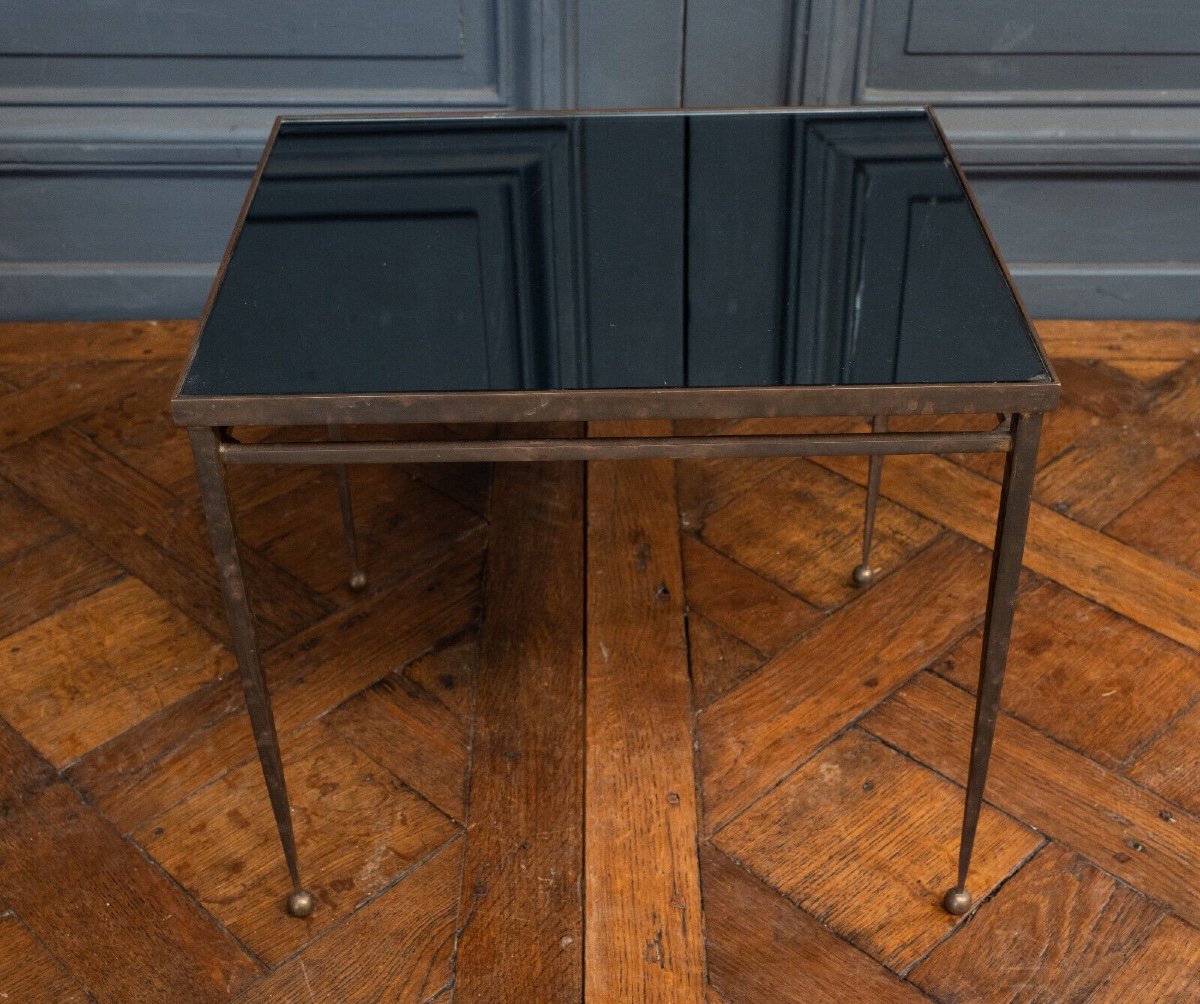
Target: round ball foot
<point>863,575</point>
<point>300,903</point>
<point>957,901</point>
<point>358,581</point>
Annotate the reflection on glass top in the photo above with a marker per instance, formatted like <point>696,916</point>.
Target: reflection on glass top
<point>613,250</point>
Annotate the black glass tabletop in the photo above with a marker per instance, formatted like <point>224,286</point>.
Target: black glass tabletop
<point>610,250</point>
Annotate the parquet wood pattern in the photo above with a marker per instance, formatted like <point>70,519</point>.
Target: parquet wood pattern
<point>741,783</point>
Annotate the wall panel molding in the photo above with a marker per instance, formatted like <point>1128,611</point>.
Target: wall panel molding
<point>135,146</point>
<point>1038,96</point>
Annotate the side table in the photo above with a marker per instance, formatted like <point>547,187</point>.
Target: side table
<point>507,268</point>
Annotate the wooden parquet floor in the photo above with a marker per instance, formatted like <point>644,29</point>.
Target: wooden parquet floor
<point>729,775</point>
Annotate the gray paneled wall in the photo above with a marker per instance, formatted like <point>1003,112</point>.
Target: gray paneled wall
<point>129,128</point>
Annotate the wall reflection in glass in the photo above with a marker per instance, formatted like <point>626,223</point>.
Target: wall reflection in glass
<point>652,250</point>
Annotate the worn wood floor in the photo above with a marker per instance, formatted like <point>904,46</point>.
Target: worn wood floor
<point>729,775</point>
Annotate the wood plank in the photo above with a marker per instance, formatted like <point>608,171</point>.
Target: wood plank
<point>1057,931</point>
<point>98,667</point>
<point>414,919</point>
<point>27,525</point>
<point>1120,339</point>
<point>122,928</point>
<point>1145,437</point>
<point>50,577</point>
<point>644,937</point>
<point>867,842</point>
<point>1123,828</point>
<point>521,915</point>
<point>57,341</point>
<point>718,661</point>
<point>1103,389</point>
<point>400,725</point>
<point>740,602</point>
<point>802,528</point>
<point>757,734</point>
<point>762,948</point>
<point>63,393</point>
<point>1064,426</point>
<point>1166,521</point>
<point>1146,370</point>
<point>1166,970</point>
<point>1170,766</point>
<point>401,524</point>
<point>1077,672</point>
<point>158,764</point>
<point>142,527</point>
<point>1080,480</point>
<point>1163,598</point>
<point>449,674</point>
<point>704,486</point>
<point>28,972</point>
<point>139,431</point>
<point>358,828</point>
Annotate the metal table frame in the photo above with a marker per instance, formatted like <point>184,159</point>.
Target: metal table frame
<point>1020,407</point>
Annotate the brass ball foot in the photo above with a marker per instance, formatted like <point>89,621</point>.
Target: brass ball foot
<point>957,901</point>
<point>358,581</point>
<point>300,903</point>
<point>863,575</point>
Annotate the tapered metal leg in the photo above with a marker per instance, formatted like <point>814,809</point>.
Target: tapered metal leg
<point>1011,524</point>
<point>863,574</point>
<point>209,471</point>
<point>358,578</point>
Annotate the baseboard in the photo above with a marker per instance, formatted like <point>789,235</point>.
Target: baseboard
<point>1130,292</point>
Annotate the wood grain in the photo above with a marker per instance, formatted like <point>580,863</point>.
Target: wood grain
<point>157,765</point>
<point>1120,339</point>
<point>28,972</point>
<point>27,525</point>
<point>718,661</point>
<point>398,948</point>
<point>142,527</point>
<point>97,490</point>
<point>1165,970</point>
<point>1077,672</point>
<point>1079,481</point>
<point>121,927</point>
<point>54,342</point>
<point>644,938</point>
<point>1162,597</point>
<point>740,602</point>
<point>1121,827</point>
<point>1146,370</point>
<point>521,914</point>
<point>357,826</point>
<point>757,734</point>
<point>402,526</point>
<point>449,674</point>
<point>867,842</point>
<point>50,577</point>
<point>802,528</point>
<point>704,486</point>
<point>1170,765</point>
<point>62,393</point>
<point>138,429</point>
<point>401,726</point>
<point>68,688</point>
<point>762,948</point>
<point>1055,932</point>
<point>1166,521</point>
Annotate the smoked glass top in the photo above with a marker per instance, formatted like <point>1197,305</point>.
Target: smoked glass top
<point>708,249</point>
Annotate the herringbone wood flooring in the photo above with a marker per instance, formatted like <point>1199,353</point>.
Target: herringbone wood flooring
<point>728,775</point>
